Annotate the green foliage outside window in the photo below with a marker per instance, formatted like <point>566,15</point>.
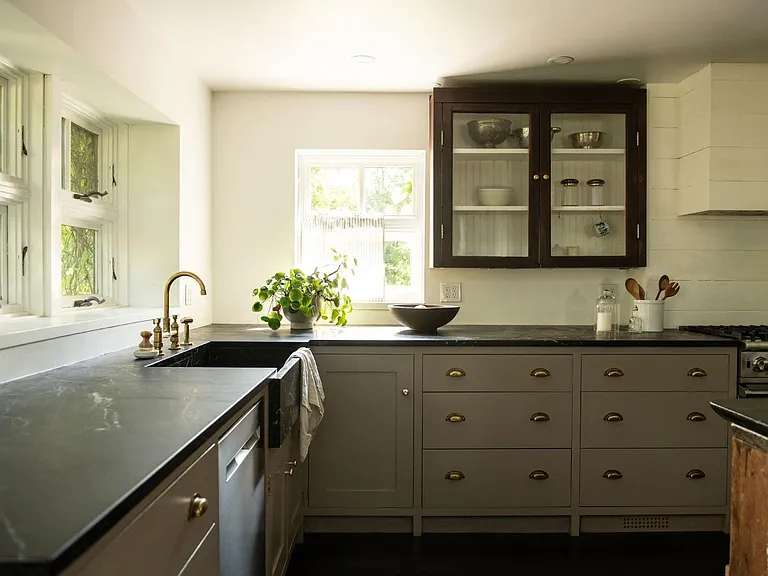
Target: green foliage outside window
<point>84,160</point>
<point>78,261</point>
<point>397,264</point>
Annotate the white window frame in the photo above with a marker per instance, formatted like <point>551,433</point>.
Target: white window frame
<point>102,213</point>
<point>14,187</point>
<point>395,226</point>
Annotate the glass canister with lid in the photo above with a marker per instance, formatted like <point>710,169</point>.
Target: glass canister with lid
<point>596,191</point>
<point>570,191</point>
<point>606,314</point>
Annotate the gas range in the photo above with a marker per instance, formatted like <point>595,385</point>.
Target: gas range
<point>753,355</point>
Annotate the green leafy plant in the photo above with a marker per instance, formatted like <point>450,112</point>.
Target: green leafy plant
<point>323,292</point>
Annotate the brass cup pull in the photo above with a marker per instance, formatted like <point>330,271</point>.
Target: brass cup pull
<point>197,507</point>
<point>696,417</point>
<point>613,417</point>
<point>540,417</point>
<point>538,475</point>
<point>614,373</point>
<point>697,373</point>
<point>613,475</point>
<point>455,476</point>
<point>456,373</point>
<point>289,472</point>
<point>545,176</point>
<point>405,391</point>
<point>535,176</point>
<point>695,474</point>
<point>455,417</point>
<point>540,373</point>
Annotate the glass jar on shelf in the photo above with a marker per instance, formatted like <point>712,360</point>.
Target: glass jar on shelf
<point>570,191</point>
<point>606,314</point>
<point>596,192</point>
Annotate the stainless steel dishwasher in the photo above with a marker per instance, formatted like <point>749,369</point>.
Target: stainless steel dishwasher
<point>242,519</point>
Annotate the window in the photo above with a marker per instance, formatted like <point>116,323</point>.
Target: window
<point>89,212</point>
<point>369,205</point>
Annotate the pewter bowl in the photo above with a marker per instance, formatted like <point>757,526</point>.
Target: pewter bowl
<point>587,140</point>
<point>489,132</point>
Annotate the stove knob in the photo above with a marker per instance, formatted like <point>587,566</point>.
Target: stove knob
<point>760,364</point>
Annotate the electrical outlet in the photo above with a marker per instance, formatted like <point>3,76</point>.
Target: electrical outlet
<point>612,288</point>
<point>450,291</point>
<point>187,295</point>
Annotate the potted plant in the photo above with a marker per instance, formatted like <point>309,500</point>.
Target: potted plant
<point>303,298</point>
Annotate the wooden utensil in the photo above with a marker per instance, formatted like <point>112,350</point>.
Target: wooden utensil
<point>642,292</point>
<point>663,283</point>
<point>671,290</point>
<point>634,288</point>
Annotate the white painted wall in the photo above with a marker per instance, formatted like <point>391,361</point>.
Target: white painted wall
<point>254,138</point>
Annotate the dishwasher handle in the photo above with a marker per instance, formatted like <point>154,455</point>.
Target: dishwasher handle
<point>746,392</point>
<point>241,455</point>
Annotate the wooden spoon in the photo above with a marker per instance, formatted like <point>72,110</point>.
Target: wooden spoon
<point>671,290</point>
<point>634,288</point>
<point>663,283</point>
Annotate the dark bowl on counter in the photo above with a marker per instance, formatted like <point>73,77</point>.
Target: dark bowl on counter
<point>425,318</point>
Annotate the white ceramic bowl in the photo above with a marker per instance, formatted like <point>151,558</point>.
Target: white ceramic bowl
<point>495,196</point>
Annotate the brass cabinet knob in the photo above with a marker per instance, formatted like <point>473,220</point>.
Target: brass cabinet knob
<point>289,472</point>
<point>613,417</point>
<point>456,373</point>
<point>546,177</point>
<point>540,373</point>
<point>696,417</point>
<point>697,373</point>
<point>197,507</point>
<point>292,463</point>
<point>538,475</point>
<point>535,176</point>
<point>613,475</point>
<point>405,391</point>
<point>614,373</point>
<point>454,475</point>
<point>455,417</point>
<point>540,417</point>
<point>695,474</point>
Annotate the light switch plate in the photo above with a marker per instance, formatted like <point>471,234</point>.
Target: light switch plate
<point>450,291</point>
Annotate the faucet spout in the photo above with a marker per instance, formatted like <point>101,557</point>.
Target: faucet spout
<point>167,296</point>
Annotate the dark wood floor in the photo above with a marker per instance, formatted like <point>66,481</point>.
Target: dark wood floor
<point>536,555</point>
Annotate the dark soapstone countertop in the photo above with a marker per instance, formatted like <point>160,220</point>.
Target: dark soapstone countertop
<point>453,335</point>
<point>749,413</point>
<point>81,445</point>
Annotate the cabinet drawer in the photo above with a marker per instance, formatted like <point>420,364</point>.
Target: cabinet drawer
<point>497,420</point>
<point>655,373</point>
<point>651,420</point>
<point>498,373</point>
<point>163,537</point>
<point>654,477</point>
<point>497,478</point>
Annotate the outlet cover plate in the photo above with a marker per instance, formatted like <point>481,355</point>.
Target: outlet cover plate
<point>450,291</point>
<point>187,295</point>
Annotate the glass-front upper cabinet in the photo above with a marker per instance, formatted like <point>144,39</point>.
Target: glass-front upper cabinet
<point>539,177</point>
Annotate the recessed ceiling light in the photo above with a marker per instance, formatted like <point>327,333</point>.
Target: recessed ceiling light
<point>561,60</point>
<point>630,82</point>
<point>362,58</point>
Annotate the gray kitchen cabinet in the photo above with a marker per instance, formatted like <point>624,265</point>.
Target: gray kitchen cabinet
<point>205,560</point>
<point>362,455</point>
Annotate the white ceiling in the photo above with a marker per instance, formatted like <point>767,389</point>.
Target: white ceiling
<point>307,44</point>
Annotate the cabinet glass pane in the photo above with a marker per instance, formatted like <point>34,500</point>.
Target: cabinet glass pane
<point>589,185</point>
<point>490,184</point>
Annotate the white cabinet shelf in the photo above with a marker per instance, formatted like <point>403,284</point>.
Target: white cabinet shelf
<point>596,153</point>
<point>582,209</point>
<point>490,208</point>
<point>489,153</point>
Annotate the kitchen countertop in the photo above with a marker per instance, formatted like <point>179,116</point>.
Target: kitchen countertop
<point>80,446</point>
<point>749,413</point>
<point>454,336</point>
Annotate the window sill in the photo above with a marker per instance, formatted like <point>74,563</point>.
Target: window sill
<point>21,330</point>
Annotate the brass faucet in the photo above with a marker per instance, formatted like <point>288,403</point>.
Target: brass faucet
<point>167,297</point>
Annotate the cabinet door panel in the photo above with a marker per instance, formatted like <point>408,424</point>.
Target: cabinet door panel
<point>205,561</point>
<point>362,455</point>
<point>276,513</point>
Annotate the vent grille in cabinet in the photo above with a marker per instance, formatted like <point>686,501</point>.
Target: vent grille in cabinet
<point>646,522</point>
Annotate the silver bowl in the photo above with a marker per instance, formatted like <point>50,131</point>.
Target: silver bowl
<point>489,132</point>
<point>587,140</point>
<point>523,135</point>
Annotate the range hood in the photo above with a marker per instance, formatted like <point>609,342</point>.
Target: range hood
<point>724,141</point>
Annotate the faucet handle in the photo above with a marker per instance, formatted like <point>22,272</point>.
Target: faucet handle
<point>186,320</point>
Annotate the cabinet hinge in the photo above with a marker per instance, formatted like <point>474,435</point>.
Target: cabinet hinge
<point>638,138</point>
<point>442,138</point>
<point>269,485</point>
<point>442,231</point>
<point>638,231</point>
